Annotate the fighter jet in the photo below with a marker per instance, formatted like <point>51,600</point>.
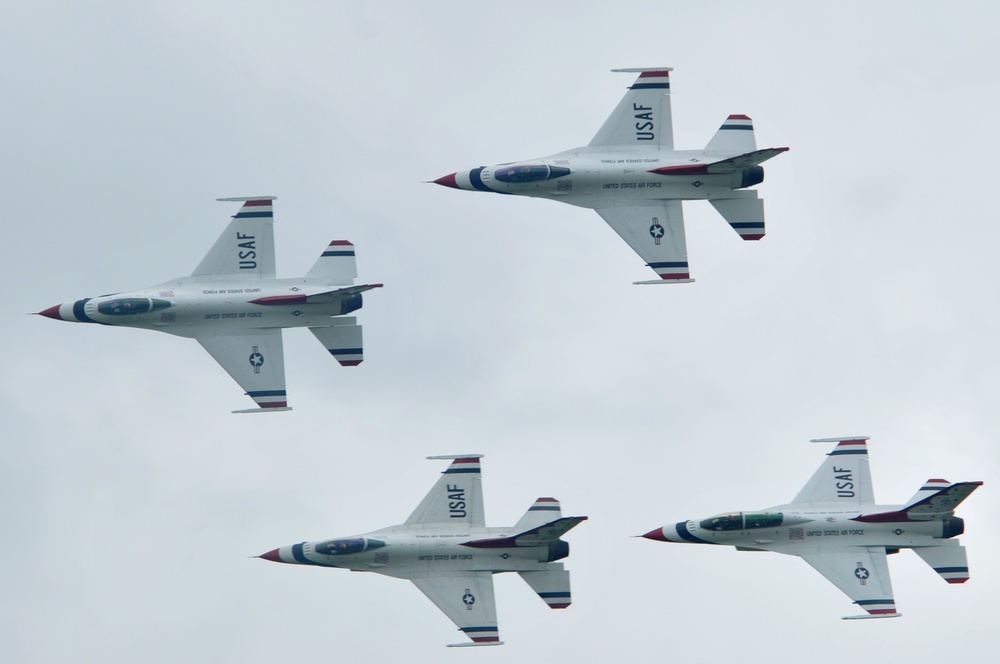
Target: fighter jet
<point>233,305</point>
<point>447,551</point>
<point>835,526</point>
<point>632,176</point>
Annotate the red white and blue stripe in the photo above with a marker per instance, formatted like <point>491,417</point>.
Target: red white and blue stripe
<point>671,269</point>
<point>557,600</point>
<point>545,505</point>
<point>269,398</point>
<point>652,80</point>
<point>877,607</point>
<point>935,485</point>
<point>463,465</point>
<point>953,574</point>
<point>854,447</point>
<point>482,634</point>
<point>737,123</point>
<point>256,209</point>
<point>339,248</point>
<point>348,357</point>
<point>748,230</point>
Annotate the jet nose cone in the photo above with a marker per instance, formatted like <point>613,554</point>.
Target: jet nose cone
<point>273,556</point>
<point>656,534</point>
<point>448,181</point>
<point>51,312</point>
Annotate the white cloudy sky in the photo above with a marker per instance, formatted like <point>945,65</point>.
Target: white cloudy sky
<point>132,498</point>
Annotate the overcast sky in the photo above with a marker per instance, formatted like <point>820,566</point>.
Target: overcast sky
<point>132,499</point>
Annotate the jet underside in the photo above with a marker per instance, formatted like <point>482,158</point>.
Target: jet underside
<point>405,552</point>
<point>597,180</point>
<point>194,308</point>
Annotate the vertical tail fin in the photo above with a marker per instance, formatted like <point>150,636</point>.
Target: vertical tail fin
<point>928,489</point>
<point>336,264</point>
<point>735,135</point>
<point>543,511</point>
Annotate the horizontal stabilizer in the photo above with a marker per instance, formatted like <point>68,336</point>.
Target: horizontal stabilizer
<point>935,506</point>
<point>552,585</point>
<point>343,339</point>
<point>745,215</point>
<point>731,165</point>
<point>336,264</point>
<point>543,535</point>
<point>948,560</point>
<point>326,297</point>
<point>941,503</point>
<point>873,617</point>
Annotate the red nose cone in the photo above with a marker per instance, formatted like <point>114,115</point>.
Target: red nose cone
<point>272,556</point>
<point>657,535</point>
<point>447,181</point>
<point>51,312</point>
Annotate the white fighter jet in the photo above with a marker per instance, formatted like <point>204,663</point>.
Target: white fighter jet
<point>632,176</point>
<point>835,526</point>
<point>447,551</point>
<point>233,305</point>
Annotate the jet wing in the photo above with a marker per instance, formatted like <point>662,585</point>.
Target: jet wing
<point>456,498</point>
<point>256,361</point>
<point>860,572</point>
<point>844,478</point>
<point>246,247</point>
<point>655,231</point>
<point>642,117</point>
<point>467,598</point>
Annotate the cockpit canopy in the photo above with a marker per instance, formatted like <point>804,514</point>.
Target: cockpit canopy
<point>126,306</point>
<point>344,547</point>
<point>529,173</point>
<point>742,521</point>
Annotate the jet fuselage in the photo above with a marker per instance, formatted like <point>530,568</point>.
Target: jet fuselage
<point>188,307</point>
<point>404,550</point>
<point>785,529</point>
<point>591,178</point>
